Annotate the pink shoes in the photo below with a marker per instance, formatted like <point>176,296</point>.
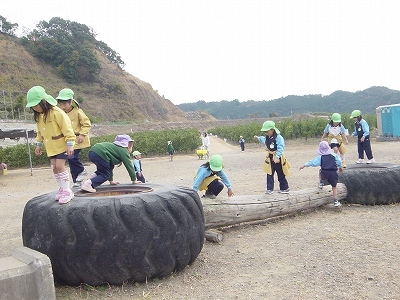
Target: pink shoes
<point>87,186</point>
<point>66,196</point>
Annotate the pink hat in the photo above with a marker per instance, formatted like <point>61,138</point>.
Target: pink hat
<point>122,140</point>
<point>324,148</point>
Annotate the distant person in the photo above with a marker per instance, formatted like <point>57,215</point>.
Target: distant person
<point>138,166</point>
<point>205,140</point>
<point>106,156</point>
<point>81,126</point>
<point>170,150</point>
<point>54,131</point>
<point>361,131</point>
<point>212,178</point>
<point>275,160</point>
<point>329,163</point>
<point>336,135</point>
<point>241,143</point>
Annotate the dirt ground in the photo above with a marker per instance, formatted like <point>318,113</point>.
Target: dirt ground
<point>351,253</point>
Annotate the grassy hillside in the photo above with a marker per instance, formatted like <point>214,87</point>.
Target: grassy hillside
<point>116,97</point>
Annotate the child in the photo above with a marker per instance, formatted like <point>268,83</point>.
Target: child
<point>138,166</point>
<point>329,163</point>
<point>336,133</point>
<point>275,160</point>
<point>105,156</point>
<point>361,131</point>
<point>205,142</point>
<point>241,143</point>
<point>54,130</point>
<point>81,126</point>
<point>170,150</point>
<point>209,177</point>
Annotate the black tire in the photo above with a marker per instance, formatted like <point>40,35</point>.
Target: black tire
<point>371,184</point>
<point>115,237</point>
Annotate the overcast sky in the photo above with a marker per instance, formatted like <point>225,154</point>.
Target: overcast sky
<point>216,50</point>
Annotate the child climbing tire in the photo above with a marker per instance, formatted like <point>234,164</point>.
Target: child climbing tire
<point>119,234</point>
<point>371,184</point>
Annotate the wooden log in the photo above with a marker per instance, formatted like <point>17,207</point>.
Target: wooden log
<point>226,211</point>
<point>214,236</point>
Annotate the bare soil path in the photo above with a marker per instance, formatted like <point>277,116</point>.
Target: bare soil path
<point>319,254</point>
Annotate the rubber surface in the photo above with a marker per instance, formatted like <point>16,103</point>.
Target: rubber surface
<point>118,238</point>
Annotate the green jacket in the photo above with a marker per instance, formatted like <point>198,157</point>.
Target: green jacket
<point>114,155</point>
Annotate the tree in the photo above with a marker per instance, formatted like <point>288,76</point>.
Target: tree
<point>7,27</point>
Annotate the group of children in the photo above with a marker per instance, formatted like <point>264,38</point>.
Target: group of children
<point>63,128</point>
<point>331,158</point>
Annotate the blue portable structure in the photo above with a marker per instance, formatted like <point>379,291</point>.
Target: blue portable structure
<point>388,120</point>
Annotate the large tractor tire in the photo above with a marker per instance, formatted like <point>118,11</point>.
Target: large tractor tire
<point>119,234</point>
<point>372,184</point>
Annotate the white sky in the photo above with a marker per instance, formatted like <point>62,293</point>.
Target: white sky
<point>214,50</point>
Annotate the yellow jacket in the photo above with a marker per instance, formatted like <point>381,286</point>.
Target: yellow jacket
<point>339,138</point>
<point>81,126</point>
<point>55,132</point>
<point>284,162</point>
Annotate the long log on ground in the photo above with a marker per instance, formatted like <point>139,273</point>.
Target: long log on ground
<point>226,211</point>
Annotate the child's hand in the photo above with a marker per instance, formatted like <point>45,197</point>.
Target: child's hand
<point>302,167</point>
<point>136,181</point>
<point>114,182</point>
<point>255,137</point>
<point>230,193</point>
<point>38,150</point>
<point>340,170</point>
<point>70,150</point>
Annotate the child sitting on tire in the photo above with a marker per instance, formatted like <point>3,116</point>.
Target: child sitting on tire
<point>329,163</point>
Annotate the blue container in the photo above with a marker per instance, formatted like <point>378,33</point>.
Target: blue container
<point>388,119</point>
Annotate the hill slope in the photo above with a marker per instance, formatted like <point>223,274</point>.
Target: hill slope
<point>117,96</point>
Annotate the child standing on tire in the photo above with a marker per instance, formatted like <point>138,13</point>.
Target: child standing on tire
<point>329,163</point>
<point>361,131</point>
<point>336,134</point>
<point>54,131</point>
<point>211,178</point>
<point>81,126</point>
<point>275,160</point>
<point>105,156</point>
<point>137,164</point>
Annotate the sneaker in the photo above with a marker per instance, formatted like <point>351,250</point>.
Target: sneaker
<point>371,161</point>
<point>336,203</point>
<point>67,196</point>
<point>59,194</point>
<point>209,195</point>
<point>321,184</point>
<point>87,186</point>
<point>360,161</point>
<point>77,184</point>
<point>81,175</point>
<point>269,192</point>
<point>284,191</point>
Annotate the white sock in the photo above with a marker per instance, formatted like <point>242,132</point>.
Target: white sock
<point>64,180</point>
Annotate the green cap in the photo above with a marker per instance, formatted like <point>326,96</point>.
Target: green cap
<point>37,94</point>
<point>337,118</point>
<point>269,125</point>
<point>355,113</point>
<point>67,94</point>
<point>216,163</point>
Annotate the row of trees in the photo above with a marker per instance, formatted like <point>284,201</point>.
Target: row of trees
<point>68,46</point>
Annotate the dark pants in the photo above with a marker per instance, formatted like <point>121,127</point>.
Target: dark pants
<point>215,187</point>
<point>331,176</point>
<point>103,171</point>
<point>364,146</point>
<point>75,165</point>
<point>242,146</point>
<point>283,184</point>
<point>141,178</point>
